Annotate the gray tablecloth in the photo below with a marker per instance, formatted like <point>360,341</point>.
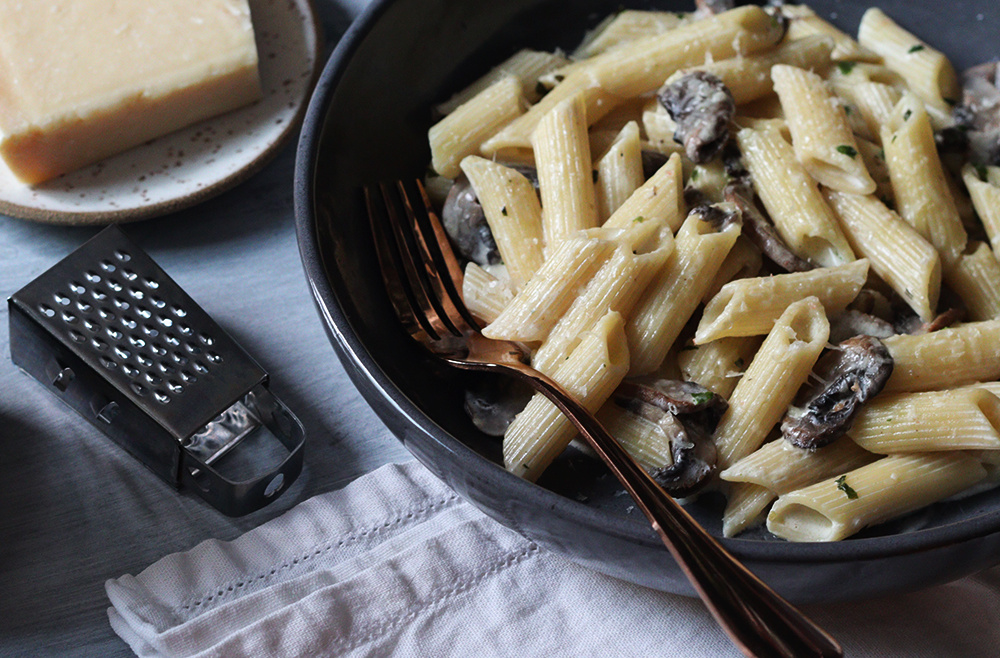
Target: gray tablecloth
<point>74,508</point>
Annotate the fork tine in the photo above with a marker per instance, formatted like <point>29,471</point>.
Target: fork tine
<point>444,256</point>
<point>422,278</point>
<point>391,264</point>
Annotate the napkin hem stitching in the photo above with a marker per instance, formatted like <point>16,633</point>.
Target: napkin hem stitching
<point>436,598</point>
<point>400,520</point>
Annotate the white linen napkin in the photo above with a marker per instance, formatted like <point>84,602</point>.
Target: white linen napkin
<point>395,564</point>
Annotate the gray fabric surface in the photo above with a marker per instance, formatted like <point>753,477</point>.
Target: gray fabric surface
<point>74,508</point>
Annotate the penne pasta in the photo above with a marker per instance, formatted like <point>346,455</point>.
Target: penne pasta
<point>962,419</point>
<point>821,134</point>
<point>619,172</point>
<point>591,373</point>
<point>749,307</point>
<point>669,302</point>
<point>642,65</point>
<point>898,254</point>
<point>565,174</point>
<point>485,295</point>
<point>926,70</point>
<point>660,197</point>
<point>463,131</point>
<point>778,369</point>
<point>526,65</point>
<point>513,213</point>
<point>946,358</point>
<point>792,199</point>
<point>837,508</point>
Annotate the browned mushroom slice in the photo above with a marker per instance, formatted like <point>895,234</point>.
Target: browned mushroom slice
<point>702,107</point>
<point>711,7</point>
<point>465,222</point>
<point>688,414</point>
<point>913,325</point>
<point>979,112</point>
<point>761,232</point>
<point>852,323</point>
<point>855,371</point>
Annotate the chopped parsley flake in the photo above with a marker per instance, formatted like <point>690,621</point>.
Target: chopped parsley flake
<point>849,151</point>
<point>907,114</point>
<point>915,49</point>
<point>846,488</point>
<point>503,211</point>
<point>638,220</point>
<point>981,172</point>
<point>881,154</point>
<point>702,398</point>
<point>846,67</point>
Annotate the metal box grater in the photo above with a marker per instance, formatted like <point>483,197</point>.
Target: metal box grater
<point>114,337</point>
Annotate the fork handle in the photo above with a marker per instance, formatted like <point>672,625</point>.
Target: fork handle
<point>759,621</point>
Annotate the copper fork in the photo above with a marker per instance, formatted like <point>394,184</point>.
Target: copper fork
<point>423,280</point>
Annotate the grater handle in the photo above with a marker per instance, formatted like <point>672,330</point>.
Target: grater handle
<point>237,498</point>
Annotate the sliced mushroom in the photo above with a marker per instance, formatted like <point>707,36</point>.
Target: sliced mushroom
<point>852,323</point>
<point>493,403</point>
<point>702,107</point>
<point>979,112</point>
<point>855,371</point>
<point>688,414</point>
<point>705,8</point>
<point>719,215</point>
<point>465,222</point>
<point>760,231</point>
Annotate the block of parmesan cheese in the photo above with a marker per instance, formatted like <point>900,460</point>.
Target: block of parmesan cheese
<point>81,80</point>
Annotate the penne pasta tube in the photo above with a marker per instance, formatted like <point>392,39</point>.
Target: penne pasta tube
<point>918,179</point>
<point>565,174</point>
<point>642,65</point>
<point>619,172</point>
<point>874,103</point>
<point>961,419</point>
<point>926,70</point>
<point>615,287</point>
<point>950,357</point>
<point>526,65</point>
<point>898,254</point>
<point>779,368</point>
<point>718,365</point>
<point>803,22</point>
<point>821,134</point>
<point>627,26</point>
<point>646,441</point>
<point>485,295</point>
<point>669,302</point>
<point>777,468</point>
<point>590,373</point>
<point>792,199</point>
<point>975,277</point>
<point>660,197</point>
<point>745,505</point>
<point>744,260</point>
<point>749,78</point>
<point>463,131</point>
<point>838,508</point>
<point>513,213</point>
<point>547,295</point>
<point>983,184</point>
<point>749,307</point>
<point>781,467</point>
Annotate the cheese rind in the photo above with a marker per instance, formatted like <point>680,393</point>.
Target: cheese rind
<point>81,80</point>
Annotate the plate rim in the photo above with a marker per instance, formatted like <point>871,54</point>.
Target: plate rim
<point>174,204</point>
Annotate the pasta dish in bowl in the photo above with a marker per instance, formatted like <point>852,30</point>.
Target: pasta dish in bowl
<point>757,246</point>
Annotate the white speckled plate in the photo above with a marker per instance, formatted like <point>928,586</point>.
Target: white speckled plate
<point>195,163</point>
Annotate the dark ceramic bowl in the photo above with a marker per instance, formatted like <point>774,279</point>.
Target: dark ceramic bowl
<point>368,122</point>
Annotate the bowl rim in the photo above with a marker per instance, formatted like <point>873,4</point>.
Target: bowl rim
<point>368,376</point>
